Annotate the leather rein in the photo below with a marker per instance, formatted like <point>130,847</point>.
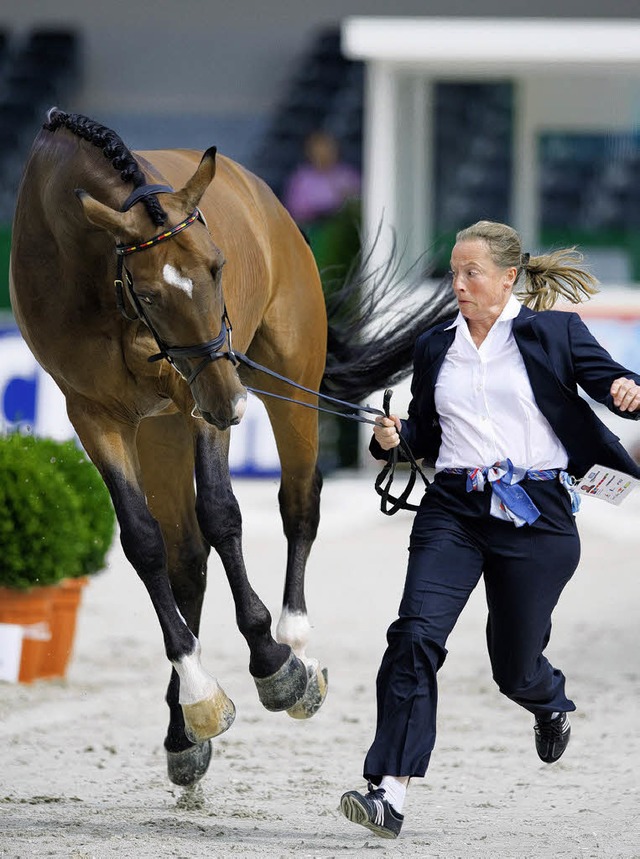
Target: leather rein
<point>212,350</point>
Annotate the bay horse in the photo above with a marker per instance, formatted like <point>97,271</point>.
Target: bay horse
<point>125,290</point>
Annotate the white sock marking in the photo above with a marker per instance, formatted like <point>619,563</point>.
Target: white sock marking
<point>294,630</point>
<point>195,684</point>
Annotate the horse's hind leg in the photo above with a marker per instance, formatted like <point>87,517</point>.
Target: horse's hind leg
<point>165,450</point>
<point>296,432</point>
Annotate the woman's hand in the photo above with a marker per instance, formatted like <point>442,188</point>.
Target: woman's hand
<point>626,395</point>
<point>386,431</point>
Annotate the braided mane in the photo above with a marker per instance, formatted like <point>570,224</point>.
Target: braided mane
<point>113,148</point>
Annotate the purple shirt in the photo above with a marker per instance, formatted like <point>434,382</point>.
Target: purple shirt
<point>311,193</point>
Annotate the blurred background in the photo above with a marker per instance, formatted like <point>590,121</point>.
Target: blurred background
<point>425,123</point>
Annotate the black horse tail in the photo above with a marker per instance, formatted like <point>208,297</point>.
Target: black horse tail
<point>375,317</point>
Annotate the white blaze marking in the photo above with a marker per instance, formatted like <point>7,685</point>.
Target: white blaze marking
<point>174,278</point>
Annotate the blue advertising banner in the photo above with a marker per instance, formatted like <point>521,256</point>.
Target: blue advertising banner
<point>31,401</point>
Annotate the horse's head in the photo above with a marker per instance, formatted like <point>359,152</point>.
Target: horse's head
<point>175,287</point>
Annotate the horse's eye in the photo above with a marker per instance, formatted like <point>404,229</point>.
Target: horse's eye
<point>216,270</point>
<point>146,299</point>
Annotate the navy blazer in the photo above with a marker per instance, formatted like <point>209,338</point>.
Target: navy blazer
<point>559,353</point>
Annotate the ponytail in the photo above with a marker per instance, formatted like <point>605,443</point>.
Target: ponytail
<point>552,276</point>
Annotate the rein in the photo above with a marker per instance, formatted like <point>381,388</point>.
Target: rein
<point>389,504</point>
<point>385,477</point>
<point>212,351</point>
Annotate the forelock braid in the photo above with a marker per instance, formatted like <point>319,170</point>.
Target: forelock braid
<point>113,149</point>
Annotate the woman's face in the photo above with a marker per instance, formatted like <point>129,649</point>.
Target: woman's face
<point>481,287</point>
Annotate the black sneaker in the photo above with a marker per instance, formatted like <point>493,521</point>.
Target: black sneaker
<point>373,811</point>
<point>552,737</point>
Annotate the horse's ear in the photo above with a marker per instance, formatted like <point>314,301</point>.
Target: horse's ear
<point>189,196</point>
<point>119,224</point>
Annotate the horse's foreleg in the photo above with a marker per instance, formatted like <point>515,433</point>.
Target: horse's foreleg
<point>111,445</point>
<point>280,677</point>
<point>165,451</point>
<point>206,708</point>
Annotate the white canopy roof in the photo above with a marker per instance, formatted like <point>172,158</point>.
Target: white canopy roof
<point>461,45</point>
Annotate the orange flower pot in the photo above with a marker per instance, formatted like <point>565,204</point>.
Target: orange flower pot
<point>32,611</point>
<point>48,617</point>
<point>65,601</point>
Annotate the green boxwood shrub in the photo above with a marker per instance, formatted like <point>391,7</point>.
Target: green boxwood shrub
<point>56,516</point>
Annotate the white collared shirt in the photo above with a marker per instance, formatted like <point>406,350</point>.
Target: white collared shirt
<point>486,405</point>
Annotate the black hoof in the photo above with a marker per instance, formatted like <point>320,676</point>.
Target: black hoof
<point>314,695</point>
<point>187,767</point>
<point>283,689</point>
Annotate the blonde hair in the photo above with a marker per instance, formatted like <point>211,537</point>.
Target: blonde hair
<point>542,279</point>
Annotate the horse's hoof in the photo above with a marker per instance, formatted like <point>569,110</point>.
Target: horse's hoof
<point>208,718</point>
<point>187,767</point>
<point>283,689</point>
<point>315,693</point>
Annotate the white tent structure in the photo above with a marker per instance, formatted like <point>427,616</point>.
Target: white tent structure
<point>569,75</point>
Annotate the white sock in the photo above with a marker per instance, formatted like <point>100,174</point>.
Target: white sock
<point>394,792</point>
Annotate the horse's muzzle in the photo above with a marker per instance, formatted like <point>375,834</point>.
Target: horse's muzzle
<point>219,423</point>
<point>222,422</point>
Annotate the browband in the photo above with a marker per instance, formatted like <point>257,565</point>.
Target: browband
<point>125,250</point>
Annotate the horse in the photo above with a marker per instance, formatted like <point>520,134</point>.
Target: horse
<point>130,273</point>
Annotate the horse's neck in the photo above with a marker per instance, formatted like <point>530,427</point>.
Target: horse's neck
<point>63,212</point>
<point>68,260</point>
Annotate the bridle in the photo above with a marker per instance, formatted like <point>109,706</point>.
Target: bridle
<point>212,351</point>
<point>209,351</point>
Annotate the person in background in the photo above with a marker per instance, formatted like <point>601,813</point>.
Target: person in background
<point>495,408</point>
<point>319,188</point>
<point>323,197</point>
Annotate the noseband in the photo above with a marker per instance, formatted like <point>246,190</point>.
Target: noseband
<point>209,351</point>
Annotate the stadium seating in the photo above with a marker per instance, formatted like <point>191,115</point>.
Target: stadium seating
<point>36,70</point>
<point>325,91</point>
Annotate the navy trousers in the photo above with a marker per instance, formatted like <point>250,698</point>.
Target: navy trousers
<point>454,541</point>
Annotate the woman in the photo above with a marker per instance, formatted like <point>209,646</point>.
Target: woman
<point>319,188</point>
<point>495,408</point>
